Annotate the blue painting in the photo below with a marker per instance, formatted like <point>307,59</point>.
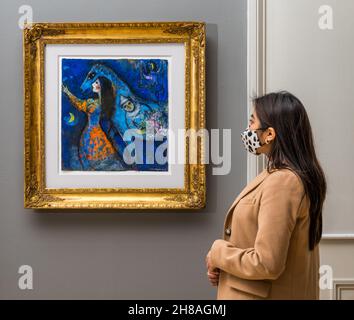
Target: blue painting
<point>101,99</point>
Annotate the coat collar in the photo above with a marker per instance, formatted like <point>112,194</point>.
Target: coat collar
<point>250,186</point>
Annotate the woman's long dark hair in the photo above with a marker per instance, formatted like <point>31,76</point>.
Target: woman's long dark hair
<point>293,148</point>
<point>108,98</point>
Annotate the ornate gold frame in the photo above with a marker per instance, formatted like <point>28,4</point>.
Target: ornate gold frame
<point>35,37</point>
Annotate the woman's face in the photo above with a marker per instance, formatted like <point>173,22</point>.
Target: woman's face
<point>265,136</point>
<point>96,86</point>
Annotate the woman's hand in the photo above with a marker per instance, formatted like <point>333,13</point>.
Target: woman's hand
<point>213,272</point>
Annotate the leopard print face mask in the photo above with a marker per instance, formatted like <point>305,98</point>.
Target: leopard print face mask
<point>251,141</point>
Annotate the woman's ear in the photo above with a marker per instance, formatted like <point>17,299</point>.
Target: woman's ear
<point>270,135</point>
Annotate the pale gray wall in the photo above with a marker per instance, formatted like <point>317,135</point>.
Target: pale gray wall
<point>132,254</point>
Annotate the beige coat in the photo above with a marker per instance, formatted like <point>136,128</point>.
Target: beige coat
<point>263,253</point>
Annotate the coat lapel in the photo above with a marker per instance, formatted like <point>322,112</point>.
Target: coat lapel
<point>250,186</point>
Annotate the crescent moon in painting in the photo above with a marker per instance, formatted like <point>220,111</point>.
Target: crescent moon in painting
<point>72,118</point>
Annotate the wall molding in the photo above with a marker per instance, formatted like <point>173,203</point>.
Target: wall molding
<point>338,236</point>
<point>256,70</point>
<point>340,286</point>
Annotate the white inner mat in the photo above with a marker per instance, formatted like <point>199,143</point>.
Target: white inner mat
<point>174,177</point>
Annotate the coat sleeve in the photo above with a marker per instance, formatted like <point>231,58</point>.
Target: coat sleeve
<point>281,198</point>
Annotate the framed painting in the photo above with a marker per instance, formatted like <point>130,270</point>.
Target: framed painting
<point>114,115</point>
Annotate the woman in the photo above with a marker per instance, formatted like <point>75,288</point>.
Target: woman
<point>272,230</point>
<point>96,151</point>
